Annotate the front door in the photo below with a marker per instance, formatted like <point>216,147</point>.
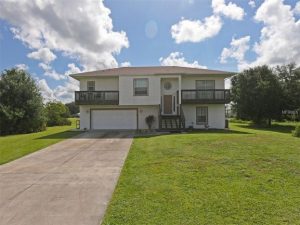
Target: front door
<point>168,104</point>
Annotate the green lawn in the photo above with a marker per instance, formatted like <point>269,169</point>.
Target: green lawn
<point>243,176</point>
<point>16,146</point>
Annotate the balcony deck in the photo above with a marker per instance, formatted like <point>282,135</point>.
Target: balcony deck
<point>96,97</point>
<point>210,96</point>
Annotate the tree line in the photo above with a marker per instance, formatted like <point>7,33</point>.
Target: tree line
<point>21,105</point>
<point>263,93</point>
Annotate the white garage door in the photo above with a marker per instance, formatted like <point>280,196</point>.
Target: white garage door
<point>114,119</point>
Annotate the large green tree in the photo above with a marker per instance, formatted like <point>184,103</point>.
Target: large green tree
<point>21,104</point>
<point>74,109</point>
<point>57,114</point>
<point>257,94</point>
<point>289,77</point>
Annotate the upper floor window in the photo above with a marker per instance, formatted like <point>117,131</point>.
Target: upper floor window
<point>91,85</point>
<point>205,84</point>
<point>140,86</point>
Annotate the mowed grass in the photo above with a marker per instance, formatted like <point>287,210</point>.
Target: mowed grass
<point>15,146</point>
<point>243,176</point>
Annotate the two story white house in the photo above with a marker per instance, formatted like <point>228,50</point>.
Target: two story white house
<point>177,97</point>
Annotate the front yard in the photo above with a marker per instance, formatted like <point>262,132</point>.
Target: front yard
<point>243,176</point>
<point>16,146</point>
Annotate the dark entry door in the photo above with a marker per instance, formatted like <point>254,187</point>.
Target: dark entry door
<point>167,104</point>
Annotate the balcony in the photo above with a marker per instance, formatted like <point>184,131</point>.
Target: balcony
<point>96,97</point>
<point>210,96</point>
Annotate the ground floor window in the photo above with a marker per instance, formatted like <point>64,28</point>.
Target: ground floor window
<point>201,115</point>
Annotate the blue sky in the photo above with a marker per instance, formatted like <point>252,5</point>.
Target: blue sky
<point>53,39</point>
<point>147,51</point>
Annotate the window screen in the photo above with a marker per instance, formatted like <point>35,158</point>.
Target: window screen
<point>91,85</point>
<point>201,115</point>
<point>206,89</point>
<point>140,86</point>
<point>205,84</point>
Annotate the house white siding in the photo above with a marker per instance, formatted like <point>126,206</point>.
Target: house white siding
<point>189,82</point>
<point>145,111</point>
<point>84,117</point>
<point>216,116</point>
<point>101,84</point>
<point>127,96</point>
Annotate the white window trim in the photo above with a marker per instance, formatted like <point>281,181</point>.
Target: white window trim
<point>202,123</point>
<point>134,81</point>
<point>93,86</point>
<point>205,85</point>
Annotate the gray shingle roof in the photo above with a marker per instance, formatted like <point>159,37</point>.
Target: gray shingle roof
<point>152,70</point>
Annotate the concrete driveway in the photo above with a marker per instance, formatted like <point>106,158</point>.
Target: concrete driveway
<point>68,183</point>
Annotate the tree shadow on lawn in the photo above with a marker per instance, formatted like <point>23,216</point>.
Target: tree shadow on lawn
<point>211,131</point>
<point>61,135</point>
<point>218,131</point>
<point>280,128</point>
<point>71,134</point>
<point>129,134</point>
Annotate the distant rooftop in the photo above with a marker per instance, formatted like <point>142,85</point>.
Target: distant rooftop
<point>152,70</point>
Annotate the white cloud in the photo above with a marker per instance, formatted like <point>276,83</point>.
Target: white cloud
<point>279,40</point>
<point>79,29</point>
<point>22,66</point>
<point>177,59</point>
<point>53,74</point>
<point>72,69</point>
<point>64,92</point>
<point>45,66</point>
<point>196,30</point>
<point>231,10</point>
<point>125,64</point>
<point>252,3</point>
<point>50,72</point>
<point>45,90</point>
<point>43,54</point>
<point>237,50</point>
<point>297,8</point>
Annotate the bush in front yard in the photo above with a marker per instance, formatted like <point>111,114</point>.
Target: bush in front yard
<point>57,114</point>
<point>150,120</point>
<point>296,132</point>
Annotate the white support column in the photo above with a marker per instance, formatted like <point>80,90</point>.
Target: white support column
<point>179,89</point>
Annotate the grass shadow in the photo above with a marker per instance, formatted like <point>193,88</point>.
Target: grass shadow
<point>101,134</point>
<point>89,135</point>
<point>211,131</point>
<point>280,128</point>
<point>226,131</point>
<point>61,135</point>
